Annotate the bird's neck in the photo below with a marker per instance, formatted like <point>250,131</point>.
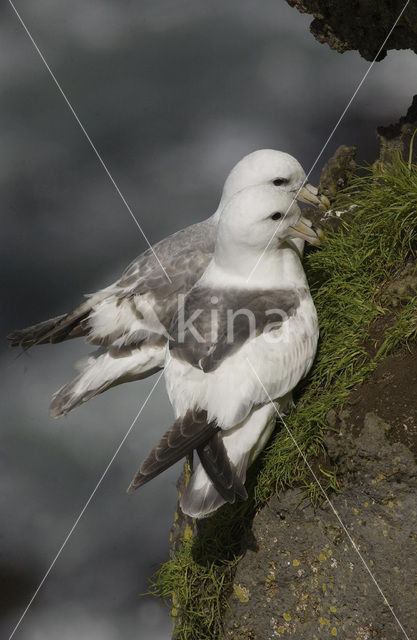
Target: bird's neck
<point>215,217</point>
<point>246,268</point>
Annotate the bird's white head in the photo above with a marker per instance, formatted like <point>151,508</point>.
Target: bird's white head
<point>269,167</point>
<point>260,216</point>
<point>254,225</point>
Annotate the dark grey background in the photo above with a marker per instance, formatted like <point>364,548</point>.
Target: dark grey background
<point>173,93</point>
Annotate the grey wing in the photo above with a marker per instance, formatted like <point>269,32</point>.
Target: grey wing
<point>184,254</point>
<point>240,315</point>
<point>144,300</point>
<point>186,248</point>
<point>129,319</point>
<point>186,434</point>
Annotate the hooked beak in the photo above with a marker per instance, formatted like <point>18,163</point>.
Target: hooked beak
<point>305,231</point>
<point>309,195</point>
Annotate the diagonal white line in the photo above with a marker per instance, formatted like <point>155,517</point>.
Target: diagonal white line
<point>71,108</point>
<point>342,115</point>
<point>71,531</point>
<point>329,502</point>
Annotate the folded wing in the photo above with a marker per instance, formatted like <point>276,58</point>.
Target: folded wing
<point>189,433</point>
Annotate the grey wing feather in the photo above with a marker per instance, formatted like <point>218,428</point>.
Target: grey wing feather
<point>186,434</point>
<point>215,461</point>
<point>31,335</point>
<point>185,255</point>
<point>64,327</point>
<point>189,248</point>
<point>67,398</point>
<point>142,275</point>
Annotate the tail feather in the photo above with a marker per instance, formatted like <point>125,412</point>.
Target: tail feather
<point>200,502</point>
<point>201,497</point>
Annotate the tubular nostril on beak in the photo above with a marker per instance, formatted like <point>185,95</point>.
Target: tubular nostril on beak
<point>308,195</point>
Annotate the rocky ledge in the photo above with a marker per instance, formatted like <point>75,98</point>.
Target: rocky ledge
<point>305,577</point>
<point>363,25</point>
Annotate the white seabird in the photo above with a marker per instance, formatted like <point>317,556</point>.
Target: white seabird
<point>129,319</point>
<point>237,320</point>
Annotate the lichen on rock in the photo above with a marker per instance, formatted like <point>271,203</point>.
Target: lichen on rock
<point>322,586</point>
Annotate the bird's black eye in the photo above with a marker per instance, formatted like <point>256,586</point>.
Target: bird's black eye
<point>276,216</point>
<point>279,181</point>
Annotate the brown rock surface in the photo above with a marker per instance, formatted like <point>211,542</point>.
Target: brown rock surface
<point>304,578</point>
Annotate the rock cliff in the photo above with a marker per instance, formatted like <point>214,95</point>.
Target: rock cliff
<point>341,565</point>
<point>362,25</point>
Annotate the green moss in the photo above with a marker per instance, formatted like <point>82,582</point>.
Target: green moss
<point>196,592</point>
<point>347,278</point>
<point>200,577</point>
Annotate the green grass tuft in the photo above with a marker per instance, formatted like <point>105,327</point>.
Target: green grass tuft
<point>199,600</point>
<point>347,279</point>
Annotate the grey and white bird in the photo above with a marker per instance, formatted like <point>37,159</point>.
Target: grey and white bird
<point>129,319</point>
<point>245,336</point>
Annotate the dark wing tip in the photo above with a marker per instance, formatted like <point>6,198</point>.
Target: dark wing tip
<point>240,489</point>
<point>186,434</point>
<point>132,487</point>
<point>15,338</point>
<point>137,482</point>
<point>222,473</point>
